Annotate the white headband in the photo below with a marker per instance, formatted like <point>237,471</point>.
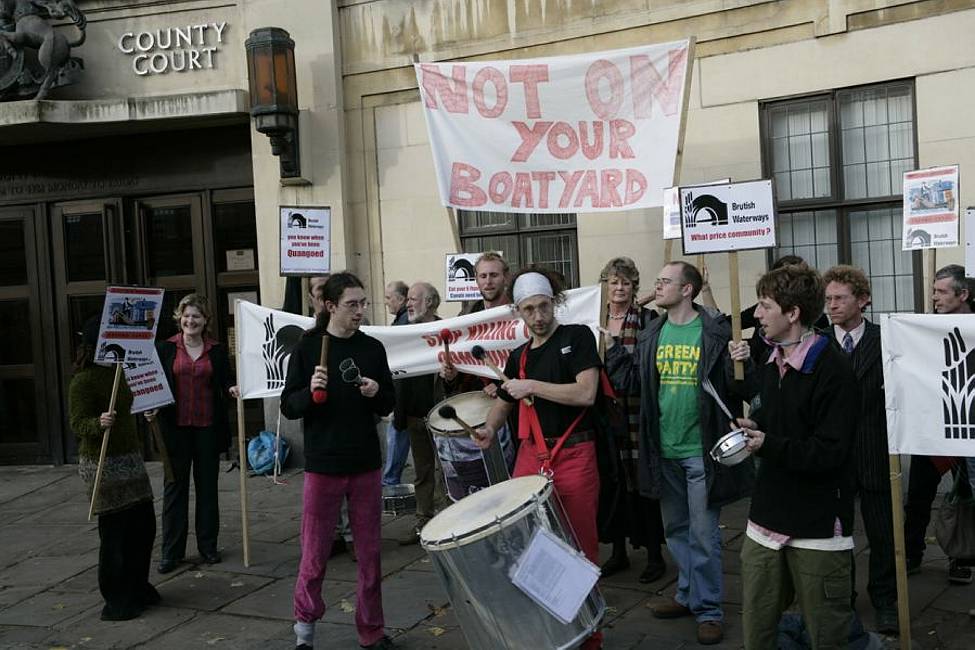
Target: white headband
<point>531,284</point>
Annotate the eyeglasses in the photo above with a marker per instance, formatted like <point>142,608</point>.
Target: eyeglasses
<point>352,305</point>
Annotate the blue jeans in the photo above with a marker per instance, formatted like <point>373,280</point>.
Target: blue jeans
<point>693,538</point>
<point>397,449</point>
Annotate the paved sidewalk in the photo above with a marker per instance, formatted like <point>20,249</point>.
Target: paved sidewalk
<point>49,594</point>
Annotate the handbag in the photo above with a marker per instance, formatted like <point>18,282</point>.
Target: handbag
<point>954,526</point>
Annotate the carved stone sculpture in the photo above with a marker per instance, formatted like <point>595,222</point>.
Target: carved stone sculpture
<point>34,56</point>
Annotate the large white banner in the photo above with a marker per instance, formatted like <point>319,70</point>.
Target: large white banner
<point>582,133</point>
<point>268,336</point>
<point>929,379</point>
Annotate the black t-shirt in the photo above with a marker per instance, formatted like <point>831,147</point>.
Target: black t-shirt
<point>340,435</point>
<point>570,350</point>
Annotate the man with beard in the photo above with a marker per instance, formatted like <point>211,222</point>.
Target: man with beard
<point>492,274</point>
<point>559,369</point>
<point>415,396</point>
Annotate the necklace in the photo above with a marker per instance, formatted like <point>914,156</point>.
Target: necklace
<point>615,317</point>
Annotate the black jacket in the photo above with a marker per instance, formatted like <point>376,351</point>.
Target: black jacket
<point>220,383</point>
<point>805,477</point>
<point>870,448</point>
<point>725,484</point>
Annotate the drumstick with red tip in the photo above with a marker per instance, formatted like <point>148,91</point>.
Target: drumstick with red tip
<point>319,395</point>
<point>448,412</point>
<point>445,338</point>
<point>481,355</point>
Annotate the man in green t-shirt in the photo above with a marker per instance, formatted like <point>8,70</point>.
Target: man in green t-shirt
<point>680,425</point>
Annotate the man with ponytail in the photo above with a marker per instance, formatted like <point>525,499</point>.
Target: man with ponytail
<point>342,453</point>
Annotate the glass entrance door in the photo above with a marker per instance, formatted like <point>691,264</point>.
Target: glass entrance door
<point>25,432</point>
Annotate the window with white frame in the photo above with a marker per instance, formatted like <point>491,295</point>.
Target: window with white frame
<point>547,240</point>
<point>838,160</point>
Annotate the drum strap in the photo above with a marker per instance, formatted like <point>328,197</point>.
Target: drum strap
<point>530,426</point>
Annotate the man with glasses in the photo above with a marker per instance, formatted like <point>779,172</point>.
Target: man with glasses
<point>680,424</point>
<point>415,396</point>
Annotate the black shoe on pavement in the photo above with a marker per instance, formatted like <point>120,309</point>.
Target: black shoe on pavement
<point>211,557</point>
<point>654,571</point>
<point>339,546</point>
<point>959,575</point>
<point>384,643</point>
<point>913,565</point>
<point>126,613</point>
<point>887,621</point>
<point>615,564</point>
<point>167,565</point>
<point>150,596</point>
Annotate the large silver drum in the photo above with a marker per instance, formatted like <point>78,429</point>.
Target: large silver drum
<point>474,545</point>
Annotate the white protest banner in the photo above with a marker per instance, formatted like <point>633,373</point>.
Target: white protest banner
<point>589,132</point>
<point>268,336</point>
<point>461,280</point>
<point>671,228</point>
<point>929,381</point>
<point>127,334</point>
<point>970,242</point>
<point>931,208</point>
<point>727,217</point>
<point>305,240</point>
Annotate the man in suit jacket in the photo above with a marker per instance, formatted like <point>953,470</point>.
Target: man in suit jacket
<point>847,295</point>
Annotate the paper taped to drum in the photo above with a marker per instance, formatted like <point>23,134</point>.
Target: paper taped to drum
<point>555,575</point>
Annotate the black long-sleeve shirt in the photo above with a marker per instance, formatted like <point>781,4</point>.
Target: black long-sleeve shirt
<point>340,434</point>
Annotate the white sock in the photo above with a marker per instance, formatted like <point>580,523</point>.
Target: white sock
<point>305,633</point>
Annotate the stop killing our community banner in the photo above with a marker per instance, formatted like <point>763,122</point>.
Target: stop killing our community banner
<point>267,337</point>
<point>593,132</point>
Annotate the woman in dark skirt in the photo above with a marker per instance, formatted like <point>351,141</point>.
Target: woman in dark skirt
<point>196,430</point>
<point>635,518</point>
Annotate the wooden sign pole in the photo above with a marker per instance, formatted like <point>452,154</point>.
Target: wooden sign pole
<point>735,308</point>
<point>105,436</point>
<point>603,316</point>
<point>241,447</point>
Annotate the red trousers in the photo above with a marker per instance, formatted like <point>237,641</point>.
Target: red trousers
<point>576,478</point>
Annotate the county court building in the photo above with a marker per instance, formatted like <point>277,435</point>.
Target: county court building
<point>148,169</point>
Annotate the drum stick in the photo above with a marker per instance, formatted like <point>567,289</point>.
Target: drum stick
<point>445,338</point>
<point>104,451</point>
<point>319,395</point>
<point>448,412</point>
<point>481,355</point>
<point>163,454</point>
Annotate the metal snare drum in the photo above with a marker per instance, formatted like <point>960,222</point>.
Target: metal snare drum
<point>466,467</point>
<point>731,448</point>
<point>474,544</point>
<point>399,499</point>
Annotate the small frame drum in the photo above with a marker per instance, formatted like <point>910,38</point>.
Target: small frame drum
<point>474,546</point>
<point>399,499</point>
<point>466,468</point>
<point>731,448</point>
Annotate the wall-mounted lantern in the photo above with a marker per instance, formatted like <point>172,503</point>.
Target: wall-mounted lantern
<point>274,93</point>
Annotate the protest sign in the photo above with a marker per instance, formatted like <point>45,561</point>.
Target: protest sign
<point>461,280</point>
<point>305,240</point>
<point>127,335</point>
<point>929,383</point>
<point>970,242</point>
<point>267,337</point>
<point>591,133</point>
<point>728,217</point>
<point>671,228</point>
<point>931,208</point>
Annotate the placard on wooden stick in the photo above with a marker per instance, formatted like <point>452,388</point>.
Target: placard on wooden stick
<point>727,218</point>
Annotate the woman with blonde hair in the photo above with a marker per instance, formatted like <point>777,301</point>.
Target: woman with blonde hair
<point>634,517</point>
<point>196,430</point>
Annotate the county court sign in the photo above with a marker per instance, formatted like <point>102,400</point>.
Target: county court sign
<point>728,217</point>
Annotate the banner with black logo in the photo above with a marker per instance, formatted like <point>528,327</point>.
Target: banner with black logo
<point>929,380</point>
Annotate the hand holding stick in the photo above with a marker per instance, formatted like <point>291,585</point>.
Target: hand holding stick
<point>319,395</point>
<point>481,355</point>
<point>104,451</point>
<point>445,339</point>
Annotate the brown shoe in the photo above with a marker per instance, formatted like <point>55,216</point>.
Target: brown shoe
<point>673,609</point>
<point>709,632</point>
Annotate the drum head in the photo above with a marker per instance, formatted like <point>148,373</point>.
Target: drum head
<point>472,408</point>
<point>483,509</point>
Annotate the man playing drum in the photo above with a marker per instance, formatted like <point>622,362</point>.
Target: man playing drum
<point>559,370</point>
